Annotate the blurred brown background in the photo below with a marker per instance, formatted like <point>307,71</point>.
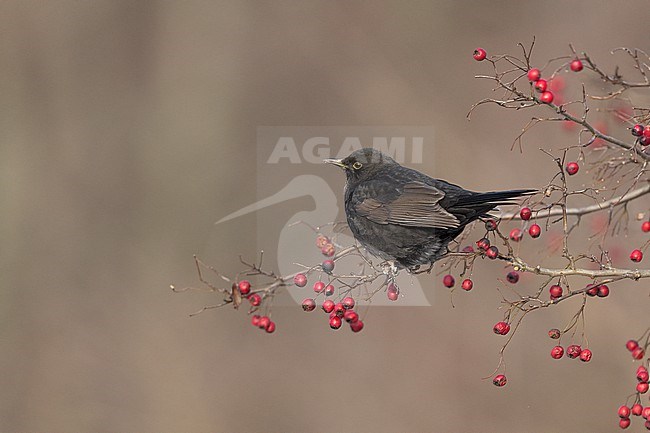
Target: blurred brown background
<point>128,128</point>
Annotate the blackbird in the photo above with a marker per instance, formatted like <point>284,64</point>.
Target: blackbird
<point>407,217</point>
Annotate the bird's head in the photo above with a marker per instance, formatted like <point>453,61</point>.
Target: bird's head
<point>362,163</point>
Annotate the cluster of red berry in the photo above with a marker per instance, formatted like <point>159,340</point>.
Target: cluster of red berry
<point>262,322</point>
<point>642,133</point>
<point>642,386</point>
<point>573,351</point>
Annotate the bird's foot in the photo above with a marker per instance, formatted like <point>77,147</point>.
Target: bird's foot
<point>416,270</point>
<point>390,268</point>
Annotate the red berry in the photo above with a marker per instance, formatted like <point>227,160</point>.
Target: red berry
<point>647,425</point>
<point>339,309</point>
<point>534,74</point>
<point>638,353</point>
<point>642,387</point>
<point>328,306</point>
<point>255,320</point>
<point>328,266</point>
<point>642,375</point>
<point>576,65</point>
<point>572,168</point>
<point>592,290</point>
<point>329,290</point>
<point>525,213</point>
<point>480,54</point>
<point>645,227</point>
<point>637,409</point>
<point>624,423</point>
<point>490,225</point>
<point>467,285</point>
<point>468,249</point>
<point>309,304</point>
<point>255,300</point>
<point>483,244</point>
<point>500,380</point>
<point>328,250</point>
<point>546,97</point>
<point>534,231</point>
<point>350,316</point>
<point>555,291</point>
<point>631,345</point>
<point>335,322</point>
<point>624,411</point>
<point>448,281</point>
<point>585,355</point>
<point>554,333</point>
<point>646,131</point>
<point>492,252</point>
<point>573,351</point>
<point>244,287</point>
<point>300,280</point>
<point>636,256</point>
<point>637,130</point>
<point>516,235</point>
<point>348,303</point>
<point>264,322</point>
<point>501,328</point>
<point>319,286</point>
<point>557,352</point>
<point>541,85</point>
<point>646,412</point>
<point>512,277</point>
<point>603,291</point>
<point>392,292</point>
<point>356,326</point>
<point>270,328</point>
<point>644,140</point>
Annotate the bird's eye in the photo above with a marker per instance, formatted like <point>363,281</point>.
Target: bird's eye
<point>357,165</point>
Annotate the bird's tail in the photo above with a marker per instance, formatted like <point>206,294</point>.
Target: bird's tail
<point>497,198</point>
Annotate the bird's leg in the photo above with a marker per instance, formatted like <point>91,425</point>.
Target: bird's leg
<point>390,268</point>
<point>417,270</point>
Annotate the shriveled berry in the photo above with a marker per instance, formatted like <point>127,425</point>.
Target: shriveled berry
<point>392,292</point>
<point>631,345</point>
<point>492,252</point>
<point>645,227</point>
<point>512,277</point>
<point>525,213</point>
<point>636,256</point>
<point>637,409</point>
<point>642,387</point>
<point>321,241</point>
<point>592,289</point>
<point>255,300</point>
<point>534,74</point>
<point>328,250</point>
<point>546,97</point>
<point>535,231</point>
<point>490,225</point>
<point>642,375</point>
<point>448,281</point>
<point>624,423</point>
<point>255,320</point>
<point>541,85</point>
<point>467,285</point>
<point>638,353</point>
<point>335,322</point>
<point>585,355</point>
<point>339,309</point>
<point>244,287</point>
<point>309,304</point>
<point>329,290</point>
<point>270,328</point>
<point>516,235</point>
<point>264,322</point>
<point>501,328</point>
<point>624,411</point>
<point>573,351</point>
<point>572,168</point>
<point>328,306</point>
<point>554,333</point>
<point>328,266</point>
<point>480,54</point>
<point>350,316</point>
<point>576,65</point>
<point>356,326</point>
<point>500,380</point>
<point>555,291</point>
<point>557,352</point>
<point>603,291</point>
<point>483,244</point>
<point>300,280</point>
<point>637,130</point>
<point>348,303</point>
<point>319,286</point>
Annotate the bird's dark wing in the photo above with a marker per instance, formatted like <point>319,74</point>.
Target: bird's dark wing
<point>416,205</point>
